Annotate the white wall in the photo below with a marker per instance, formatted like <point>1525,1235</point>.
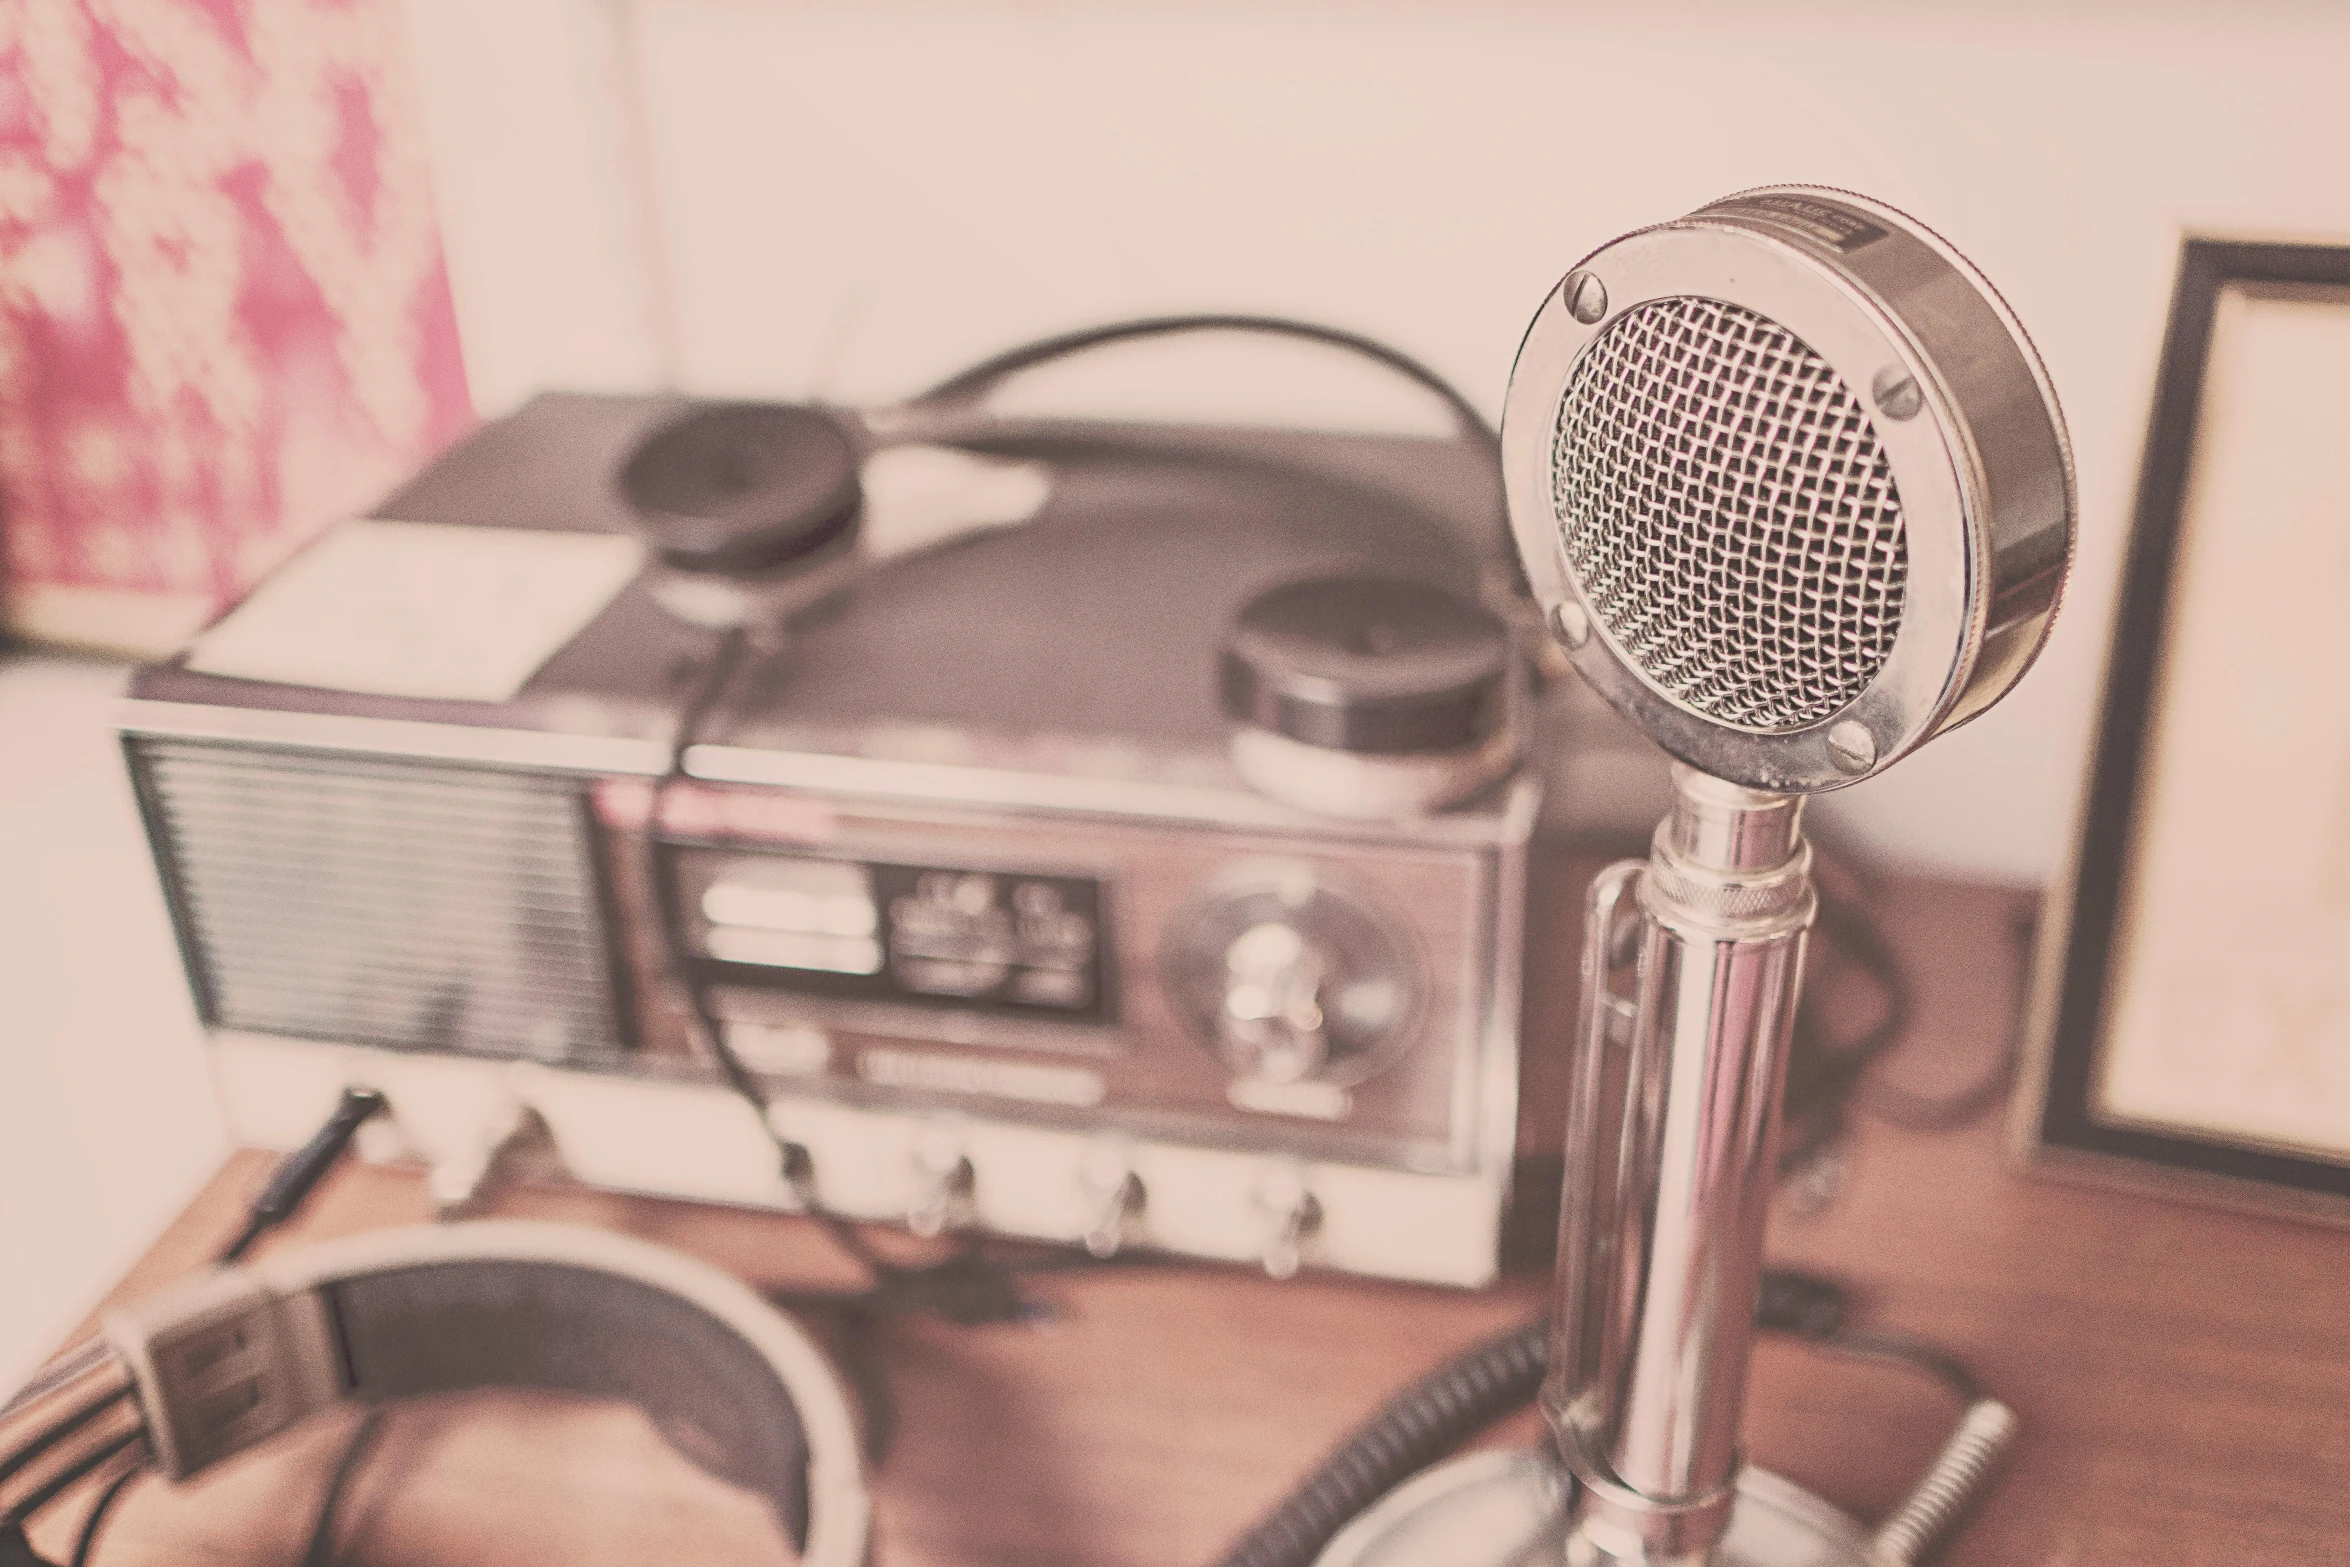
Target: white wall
<point>107,1122</point>
<point>851,196</point>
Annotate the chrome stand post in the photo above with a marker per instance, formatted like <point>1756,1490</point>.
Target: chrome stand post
<point>1672,1141</point>
<point>1672,1137</point>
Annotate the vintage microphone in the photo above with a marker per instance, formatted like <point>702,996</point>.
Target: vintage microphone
<point>1793,489</point>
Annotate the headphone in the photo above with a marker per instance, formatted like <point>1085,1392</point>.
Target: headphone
<point>753,512</point>
<point>223,1362</point>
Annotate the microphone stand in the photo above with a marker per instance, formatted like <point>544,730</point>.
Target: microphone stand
<point>1672,1139</point>
<point>1672,1145</point>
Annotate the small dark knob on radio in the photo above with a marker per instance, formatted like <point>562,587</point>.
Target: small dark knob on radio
<point>744,487</point>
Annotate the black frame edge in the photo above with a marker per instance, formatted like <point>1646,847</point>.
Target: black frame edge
<point>2061,1134</point>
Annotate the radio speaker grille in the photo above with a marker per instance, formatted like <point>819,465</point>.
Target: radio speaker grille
<point>1729,513</point>
<point>384,902</point>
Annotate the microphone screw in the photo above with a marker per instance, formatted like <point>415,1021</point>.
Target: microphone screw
<point>1571,623</point>
<point>1896,393</point>
<point>1852,746</point>
<point>1586,296</point>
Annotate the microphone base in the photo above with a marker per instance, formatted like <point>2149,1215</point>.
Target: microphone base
<point>1510,1508</point>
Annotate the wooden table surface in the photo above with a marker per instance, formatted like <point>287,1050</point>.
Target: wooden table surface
<point>2182,1375</point>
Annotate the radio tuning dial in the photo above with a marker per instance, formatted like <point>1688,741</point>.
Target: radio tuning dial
<point>944,1183</point>
<point>1272,1025</point>
<point>1290,981</point>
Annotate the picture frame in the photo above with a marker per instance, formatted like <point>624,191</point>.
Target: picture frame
<point>2190,1028</point>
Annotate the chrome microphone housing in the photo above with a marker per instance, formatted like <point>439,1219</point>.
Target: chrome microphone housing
<point>1790,483</point>
<point>1793,490</point>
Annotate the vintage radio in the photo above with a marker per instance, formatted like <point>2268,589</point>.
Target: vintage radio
<point>1116,835</point>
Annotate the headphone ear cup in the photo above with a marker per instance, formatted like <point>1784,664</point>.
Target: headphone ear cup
<point>740,488</point>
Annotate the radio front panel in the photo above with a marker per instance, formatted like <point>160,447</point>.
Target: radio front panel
<point>1041,993</point>
<point>1049,967</point>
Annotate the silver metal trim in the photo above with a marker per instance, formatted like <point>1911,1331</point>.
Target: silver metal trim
<point>1506,1507</point>
<point>1079,1039</point>
<point>947,784</point>
<point>1486,1094</point>
<point>396,738</point>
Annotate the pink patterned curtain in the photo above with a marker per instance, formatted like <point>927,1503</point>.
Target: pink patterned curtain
<point>224,318</point>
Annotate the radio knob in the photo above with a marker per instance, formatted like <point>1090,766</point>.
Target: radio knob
<point>512,1142</point>
<point>1290,981</point>
<point>1292,1215</point>
<point>1271,1025</point>
<point>944,1183</point>
<point>1115,1195</point>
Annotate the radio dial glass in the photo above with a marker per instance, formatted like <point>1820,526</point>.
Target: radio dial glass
<point>1016,943</point>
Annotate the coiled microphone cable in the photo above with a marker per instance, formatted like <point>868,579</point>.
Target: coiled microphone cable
<point>1502,1374</point>
<point>1412,1430</point>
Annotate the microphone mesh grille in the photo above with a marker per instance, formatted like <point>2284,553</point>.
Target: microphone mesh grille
<point>1729,514</point>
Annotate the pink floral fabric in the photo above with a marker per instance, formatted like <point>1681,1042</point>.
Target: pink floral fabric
<point>224,317</point>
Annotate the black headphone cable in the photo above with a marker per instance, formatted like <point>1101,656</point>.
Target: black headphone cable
<point>85,1543</point>
<point>289,1185</point>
